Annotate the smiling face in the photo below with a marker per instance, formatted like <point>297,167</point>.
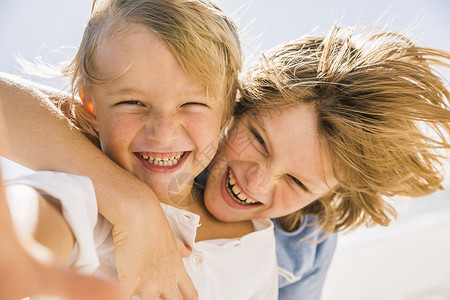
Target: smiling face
<point>271,165</point>
<point>152,119</point>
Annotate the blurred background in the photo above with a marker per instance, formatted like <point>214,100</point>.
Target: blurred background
<point>407,260</point>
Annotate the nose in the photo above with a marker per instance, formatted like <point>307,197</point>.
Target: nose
<point>260,178</point>
<point>161,128</point>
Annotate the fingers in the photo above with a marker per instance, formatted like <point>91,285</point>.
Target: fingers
<point>150,266</point>
<point>183,249</point>
<point>162,288</point>
<point>170,293</point>
<point>165,288</point>
<point>183,291</point>
<point>187,289</point>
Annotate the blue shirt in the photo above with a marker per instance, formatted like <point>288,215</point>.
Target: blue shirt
<point>302,262</point>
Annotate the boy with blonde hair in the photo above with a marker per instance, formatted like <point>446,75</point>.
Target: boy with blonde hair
<point>158,81</point>
<point>371,95</point>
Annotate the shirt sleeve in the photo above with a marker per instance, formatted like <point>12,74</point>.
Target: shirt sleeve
<point>309,287</point>
<point>76,197</point>
<point>303,260</point>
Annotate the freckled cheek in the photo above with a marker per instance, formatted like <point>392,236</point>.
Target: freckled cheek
<point>211,119</point>
<point>203,129</point>
<point>239,146</point>
<point>116,136</point>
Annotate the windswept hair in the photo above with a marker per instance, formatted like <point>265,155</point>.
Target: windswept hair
<point>201,37</point>
<point>383,115</point>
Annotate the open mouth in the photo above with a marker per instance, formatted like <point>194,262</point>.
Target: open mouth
<point>172,160</point>
<point>235,191</point>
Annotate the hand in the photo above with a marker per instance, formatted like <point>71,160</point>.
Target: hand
<point>21,275</point>
<point>146,251</point>
<point>148,262</point>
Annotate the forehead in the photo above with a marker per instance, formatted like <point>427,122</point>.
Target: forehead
<point>125,48</point>
<point>138,49</point>
<point>136,59</point>
<point>295,145</point>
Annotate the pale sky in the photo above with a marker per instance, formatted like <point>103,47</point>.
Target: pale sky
<point>53,28</point>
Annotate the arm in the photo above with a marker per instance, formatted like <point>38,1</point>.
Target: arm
<point>38,136</point>
<point>39,225</point>
<point>43,139</point>
<point>21,274</point>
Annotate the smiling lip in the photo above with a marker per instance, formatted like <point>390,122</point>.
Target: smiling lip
<point>229,199</point>
<point>163,169</point>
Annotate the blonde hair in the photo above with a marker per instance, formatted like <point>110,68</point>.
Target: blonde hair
<point>200,36</point>
<point>383,114</point>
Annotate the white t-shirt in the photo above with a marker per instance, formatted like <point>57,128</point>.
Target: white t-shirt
<point>241,268</point>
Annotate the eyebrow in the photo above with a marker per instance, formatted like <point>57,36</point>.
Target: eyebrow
<point>132,90</point>
<point>125,90</point>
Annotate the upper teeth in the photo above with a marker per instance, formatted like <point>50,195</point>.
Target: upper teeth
<point>165,161</point>
<point>235,191</point>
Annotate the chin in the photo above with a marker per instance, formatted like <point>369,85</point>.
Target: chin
<point>219,214</point>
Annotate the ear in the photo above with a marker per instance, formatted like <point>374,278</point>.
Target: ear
<point>88,105</point>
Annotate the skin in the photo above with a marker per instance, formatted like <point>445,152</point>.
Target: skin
<point>254,163</point>
<point>32,115</point>
<point>264,164</point>
<point>132,123</point>
<point>152,110</point>
<point>160,114</point>
<point>26,273</point>
<point>22,273</point>
<point>41,224</point>
<point>255,167</point>
<point>274,159</point>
